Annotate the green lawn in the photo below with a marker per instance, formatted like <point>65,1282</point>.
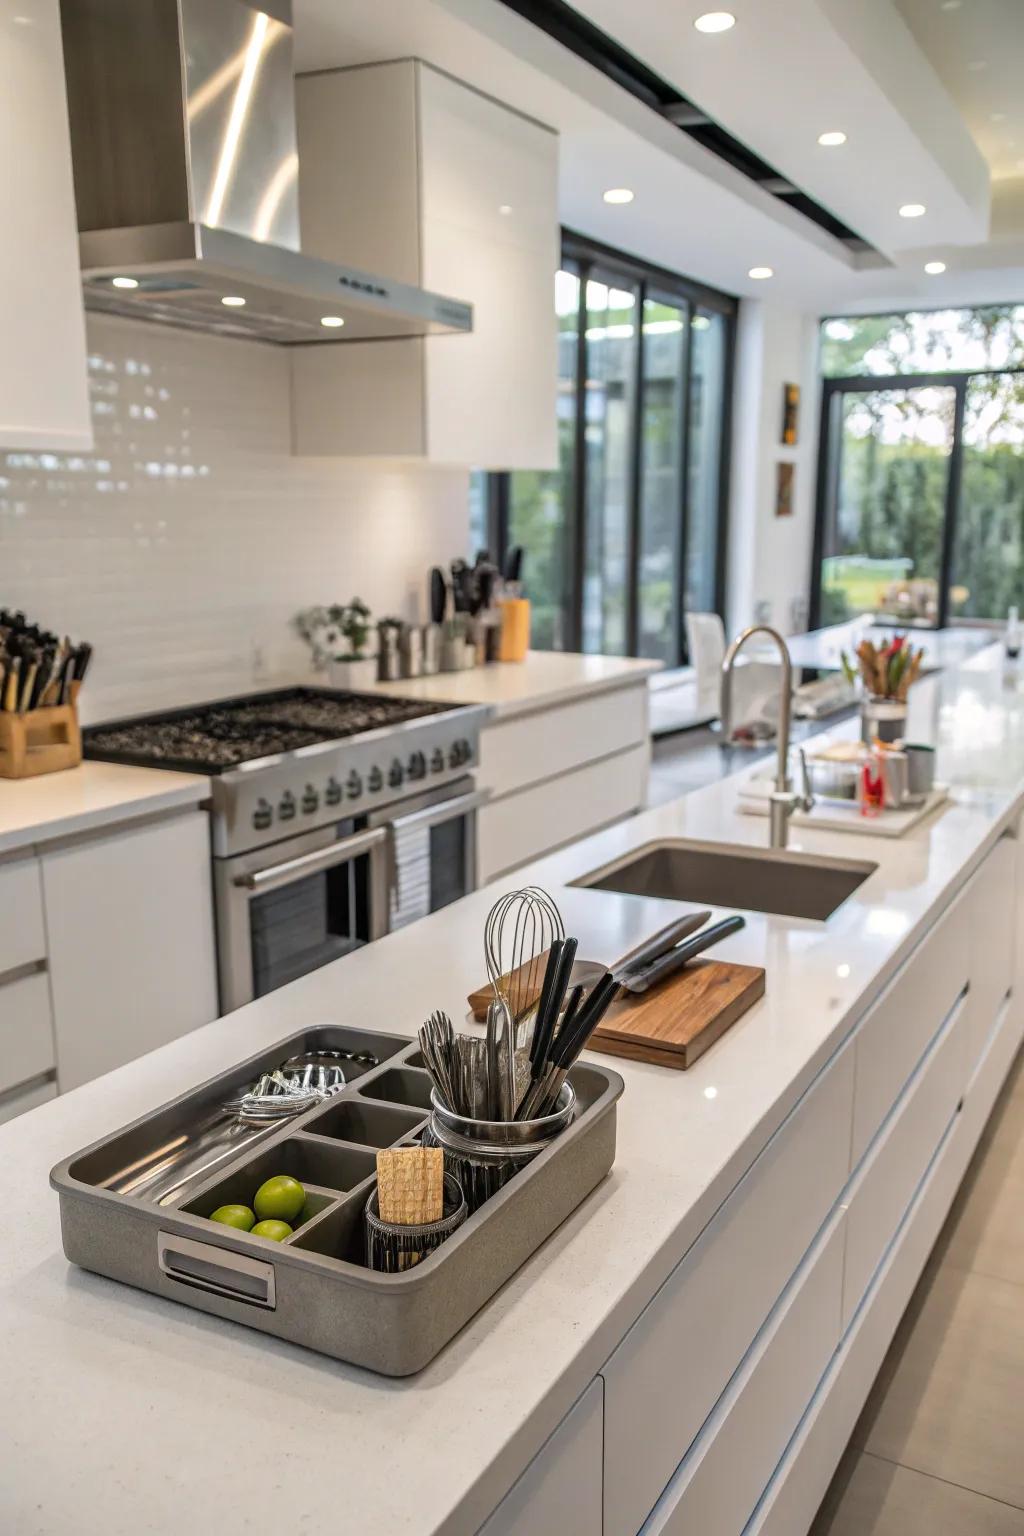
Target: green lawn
<point>861,585</point>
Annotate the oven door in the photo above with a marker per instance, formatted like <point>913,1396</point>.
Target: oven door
<point>432,851</point>
<point>285,910</point>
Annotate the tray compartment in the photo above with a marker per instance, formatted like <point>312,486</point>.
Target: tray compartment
<point>400,1085</point>
<point>119,1160</point>
<point>324,1168</point>
<point>365,1123</point>
<point>338,1233</point>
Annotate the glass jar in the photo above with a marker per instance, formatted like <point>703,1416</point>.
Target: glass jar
<point>485,1154</point>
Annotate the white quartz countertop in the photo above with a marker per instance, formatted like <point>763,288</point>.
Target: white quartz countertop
<point>544,679</point>
<point>124,1413</point>
<point>88,798</point>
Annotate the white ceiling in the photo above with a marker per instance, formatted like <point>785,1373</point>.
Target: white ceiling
<point>976,47</point>
<point>692,213</point>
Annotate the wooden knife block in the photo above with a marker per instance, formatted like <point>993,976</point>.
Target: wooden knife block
<point>42,741</point>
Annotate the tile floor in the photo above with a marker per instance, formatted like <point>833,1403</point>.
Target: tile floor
<point>939,1448</point>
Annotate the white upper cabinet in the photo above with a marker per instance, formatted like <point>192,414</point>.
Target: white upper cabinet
<point>43,383</point>
<point>414,176</point>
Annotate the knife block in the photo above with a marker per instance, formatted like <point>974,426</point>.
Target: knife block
<point>41,741</point>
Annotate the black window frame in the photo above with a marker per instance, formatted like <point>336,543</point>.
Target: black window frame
<point>587,256</point>
<point>829,454</point>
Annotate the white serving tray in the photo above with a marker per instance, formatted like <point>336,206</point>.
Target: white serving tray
<point>840,816</point>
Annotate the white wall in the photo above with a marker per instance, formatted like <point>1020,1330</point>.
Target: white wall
<point>769,556</point>
<point>183,544</point>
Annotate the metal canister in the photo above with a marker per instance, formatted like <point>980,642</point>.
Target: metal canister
<point>412,651</point>
<point>485,1154</point>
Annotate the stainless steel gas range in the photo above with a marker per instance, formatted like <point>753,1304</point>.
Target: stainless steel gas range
<point>336,817</point>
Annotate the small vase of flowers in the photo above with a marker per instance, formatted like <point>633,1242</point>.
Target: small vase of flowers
<point>886,673</point>
<point>339,638</point>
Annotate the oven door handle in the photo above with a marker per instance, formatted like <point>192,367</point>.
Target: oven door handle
<point>263,880</point>
<point>444,810</point>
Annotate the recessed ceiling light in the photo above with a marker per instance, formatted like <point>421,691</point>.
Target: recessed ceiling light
<point>715,21</point>
<point>997,117</point>
<point>977,65</point>
<point>332,322</point>
<point>618,195</point>
<point>505,208</point>
<point>124,282</point>
<point>912,210</point>
<point>759,273</point>
<point>933,268</point>
<point>831,140</point>
<point>233,300</point>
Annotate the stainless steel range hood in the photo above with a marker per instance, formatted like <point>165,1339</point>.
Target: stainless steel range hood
<point>186,179</point>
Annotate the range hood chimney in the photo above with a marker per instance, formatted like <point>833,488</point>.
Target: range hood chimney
<point>186,172</point>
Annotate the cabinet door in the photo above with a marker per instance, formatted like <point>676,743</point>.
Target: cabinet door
<point>130,925</point>
<point>491,237</point>
<point>560,1491</point>
<point>43,391</point>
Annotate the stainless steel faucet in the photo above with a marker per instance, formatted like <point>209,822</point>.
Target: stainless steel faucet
<point>784,799</point>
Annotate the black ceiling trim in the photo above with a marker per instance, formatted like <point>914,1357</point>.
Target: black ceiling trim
<point>565,24</point>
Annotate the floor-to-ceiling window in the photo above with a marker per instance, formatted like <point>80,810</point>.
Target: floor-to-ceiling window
<point>921,480</point>
<point>627,533</point>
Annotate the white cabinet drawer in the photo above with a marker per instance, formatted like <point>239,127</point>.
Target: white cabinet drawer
<point>895,1163</point>
<point>715,1490</point>
<point>528,824</point>
<point>895,1033</point>
<point>530,748</point>
<point>666,1375</point>
<point>561,1488</point>
<point>20,1100</point>
<point>990,900</point>
<point>26,1029</point>
<point>22,933</point>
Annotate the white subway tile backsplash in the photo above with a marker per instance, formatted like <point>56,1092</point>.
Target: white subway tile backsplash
<point>184,543</point>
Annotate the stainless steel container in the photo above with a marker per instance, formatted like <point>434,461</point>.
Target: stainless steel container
<point>485,1154</point>
<point>412,651</point>
<point>389,656</point>
<point>431,649</point>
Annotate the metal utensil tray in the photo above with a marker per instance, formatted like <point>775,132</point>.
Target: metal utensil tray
<point>314,1288</point>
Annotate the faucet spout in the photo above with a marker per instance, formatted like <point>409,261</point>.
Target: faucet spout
<point>783,801</point>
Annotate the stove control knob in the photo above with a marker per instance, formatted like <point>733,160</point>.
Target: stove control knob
<point>354,785</point>
<point>465,751</point>
<point>375,781</point>
<point>286,809</point>
<point>332,794</point>
<point>310,801</point>
<point>396,773</point>
<point>263,815</point>
<point>458,754</point>
<point>416,768</point>
<point>437,761</point>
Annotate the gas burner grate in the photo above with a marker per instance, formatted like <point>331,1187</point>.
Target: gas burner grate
<point>213,738</point>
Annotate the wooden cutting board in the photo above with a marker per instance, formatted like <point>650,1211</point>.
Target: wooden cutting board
<point>673,1024</point>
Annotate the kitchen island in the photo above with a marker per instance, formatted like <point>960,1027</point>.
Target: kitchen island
<point>694,1344</point>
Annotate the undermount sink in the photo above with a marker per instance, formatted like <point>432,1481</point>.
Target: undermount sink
<point>723,875</point>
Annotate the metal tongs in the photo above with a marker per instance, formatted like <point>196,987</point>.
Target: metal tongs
<point>670,949</point>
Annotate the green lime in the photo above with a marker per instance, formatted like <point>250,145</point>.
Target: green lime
<point>277,1231</point>
<point>238,1216</point>
<point>279,1199</point>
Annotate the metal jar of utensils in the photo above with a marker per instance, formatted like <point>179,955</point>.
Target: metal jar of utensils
<point>391,1247</point>
<point>483,1155</point>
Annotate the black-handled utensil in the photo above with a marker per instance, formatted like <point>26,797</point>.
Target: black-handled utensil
<point>544,1028</point>
<point>660,943</point>
<point>668,965</point>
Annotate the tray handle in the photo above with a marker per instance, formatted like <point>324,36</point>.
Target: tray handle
<point>219,1270</point>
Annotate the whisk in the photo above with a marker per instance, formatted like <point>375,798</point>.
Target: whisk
<point>520,929</point>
